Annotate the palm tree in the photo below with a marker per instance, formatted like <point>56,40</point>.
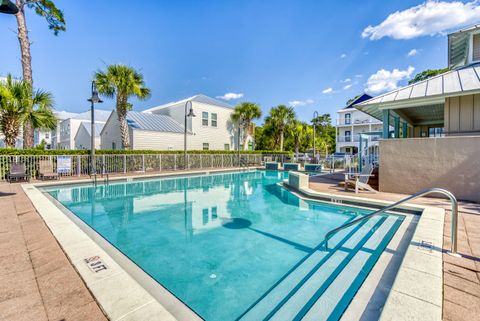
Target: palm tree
<point>56,22</point>
<point>279,118</point>
<point>122,82</point>
<point>243,115</point>
<point>299,132</point>
<point>19,104</point>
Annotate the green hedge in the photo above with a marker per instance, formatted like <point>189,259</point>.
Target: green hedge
<point>13,151</point>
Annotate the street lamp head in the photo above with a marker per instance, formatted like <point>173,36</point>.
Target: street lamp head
<point>95,98</point>
<point>190,112</point>
<point>8,7</point>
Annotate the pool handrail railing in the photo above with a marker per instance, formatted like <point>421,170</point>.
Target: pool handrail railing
<point>424,192</point>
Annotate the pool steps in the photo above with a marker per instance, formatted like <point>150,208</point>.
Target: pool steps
<point>320,288</point>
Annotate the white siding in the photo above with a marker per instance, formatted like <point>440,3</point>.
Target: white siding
<point>82,139</point>
<point>216,137</point>
<point>143,139</point>
<point>111,133</point>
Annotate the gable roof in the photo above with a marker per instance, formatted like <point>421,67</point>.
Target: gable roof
<point>359,99</point>
<point>100,115</point>
<point>87,126</point>
<point>200,98</point>
<point>433,90</point>
<point>153,122</point>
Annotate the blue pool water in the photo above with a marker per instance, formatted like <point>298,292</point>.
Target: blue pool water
<point>224,243</point>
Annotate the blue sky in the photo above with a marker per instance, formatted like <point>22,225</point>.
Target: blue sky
<point>310,54</point>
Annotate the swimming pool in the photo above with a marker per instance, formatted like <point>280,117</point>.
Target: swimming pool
<point>236,245</point>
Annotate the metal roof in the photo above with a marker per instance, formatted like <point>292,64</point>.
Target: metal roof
<point>459,46</point>
<point>457,82</point>
<point>88,127</point>
<point>100,115</point>
<point>197,98</point>
<point>153,122</point>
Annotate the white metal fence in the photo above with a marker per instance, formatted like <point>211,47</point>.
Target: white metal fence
<point>78,165</point>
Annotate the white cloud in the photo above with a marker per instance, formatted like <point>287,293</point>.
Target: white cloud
<point>346,80</point>
<point>358,76</point>
<point>384,80</point>
<point>343,56</point>
<point>296,103</point>
<point>412,53</point>
<point>231,96</point>
<point>347,86</point>
<point>327,90</point>
<point>429,18</point>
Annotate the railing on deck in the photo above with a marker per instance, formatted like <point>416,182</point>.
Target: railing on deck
<point>79,165</point>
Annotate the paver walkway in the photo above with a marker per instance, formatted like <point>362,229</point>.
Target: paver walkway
<point>37,282</point>
<point>461,276</point>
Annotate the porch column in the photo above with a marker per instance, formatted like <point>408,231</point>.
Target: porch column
<point>396,126</point>
<point>386,126</point>
<point>404,130</point>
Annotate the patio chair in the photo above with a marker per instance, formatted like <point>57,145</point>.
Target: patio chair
<point>45,170</point>
<point>17,172</point>
<point>360,180</point>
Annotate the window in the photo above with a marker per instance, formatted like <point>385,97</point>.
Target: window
<point>113,146</point>
<point>435,132</point>
<point>348,136</point>
<point>476,47</point>
<point>348,119</point>
<point>205,216</point>
<point>206,146</point>
<point>226,147</point>
<point>204,118</point>
<point>214,213</point>
<point>214,120</point>
<point>47,135</point>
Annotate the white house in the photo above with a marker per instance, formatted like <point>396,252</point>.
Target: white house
<point>69,127</point>
<point>212,128</point>
<point>162,127</point>
<point>352,122</point>
<point>84,134</point>
<point>146,131</point>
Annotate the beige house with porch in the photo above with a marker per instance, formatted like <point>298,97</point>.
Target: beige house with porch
<point>440,119</point>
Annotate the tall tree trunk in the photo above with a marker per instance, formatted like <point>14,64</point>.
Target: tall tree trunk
<point>281,140</point>
<point>10,131</point>
<point>26,65</point>
<point>122,118</point>
<point>245,135</point>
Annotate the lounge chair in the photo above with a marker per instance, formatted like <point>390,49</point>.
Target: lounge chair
<point>360,180</point>
<point>45,170</point>
<point>17,172</point>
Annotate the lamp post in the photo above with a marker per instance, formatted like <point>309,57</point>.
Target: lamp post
<point>8,7</point>
<point>314,122</point>
<point>94,99</point>
<point>190,114</point>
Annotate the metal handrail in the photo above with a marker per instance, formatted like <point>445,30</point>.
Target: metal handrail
<point>452,198</point>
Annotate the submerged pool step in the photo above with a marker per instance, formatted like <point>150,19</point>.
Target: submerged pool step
<point>288,298</point>
<point>331,303</point>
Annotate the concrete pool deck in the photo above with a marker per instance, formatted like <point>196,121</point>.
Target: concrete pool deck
<point>461,276</point>
<point>37,282</point>
<point>25,293</point>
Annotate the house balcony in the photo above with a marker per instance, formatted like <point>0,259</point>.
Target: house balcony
<point>356,138</point>
<point>357,121</point>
